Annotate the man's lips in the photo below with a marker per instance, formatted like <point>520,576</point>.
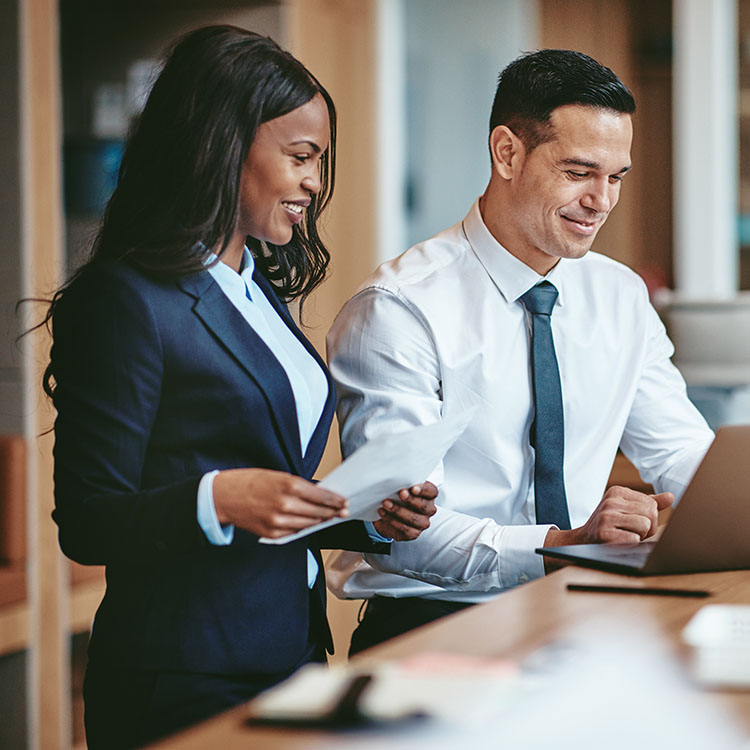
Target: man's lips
<point>583,226</point>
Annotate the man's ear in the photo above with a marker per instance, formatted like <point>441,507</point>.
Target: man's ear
<point>507,151</point>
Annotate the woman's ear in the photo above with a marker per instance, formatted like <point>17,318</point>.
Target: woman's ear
<point>506,150</point>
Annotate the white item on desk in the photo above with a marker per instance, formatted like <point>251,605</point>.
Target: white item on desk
<point>720,637</point>
<point>458,688</point>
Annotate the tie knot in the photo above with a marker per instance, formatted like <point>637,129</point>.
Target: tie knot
<point>540,299</point>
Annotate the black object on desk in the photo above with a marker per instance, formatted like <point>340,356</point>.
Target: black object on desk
<point>648,591</point>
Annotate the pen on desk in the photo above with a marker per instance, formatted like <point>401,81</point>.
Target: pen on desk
<point>596,588</point>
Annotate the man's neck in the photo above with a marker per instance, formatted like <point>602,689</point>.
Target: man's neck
<point>494,218</point>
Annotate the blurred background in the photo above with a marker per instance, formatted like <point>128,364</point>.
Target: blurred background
<point>413,82</point>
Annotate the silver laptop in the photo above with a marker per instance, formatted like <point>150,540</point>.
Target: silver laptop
<point>709,529</point>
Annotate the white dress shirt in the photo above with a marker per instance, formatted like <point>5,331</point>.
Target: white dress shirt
<point>440,329</point>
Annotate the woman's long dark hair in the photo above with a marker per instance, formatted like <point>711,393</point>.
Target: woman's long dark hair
<point>177,193</point>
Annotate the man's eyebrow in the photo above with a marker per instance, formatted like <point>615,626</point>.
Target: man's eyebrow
<point>573,162</point>
<point>314,146</point>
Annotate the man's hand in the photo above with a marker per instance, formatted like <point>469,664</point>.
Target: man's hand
<point>407,519</point>
<point>272,503</point>
<point>623,516</point>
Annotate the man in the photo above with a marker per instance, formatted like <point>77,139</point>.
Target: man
<point>558,348</point>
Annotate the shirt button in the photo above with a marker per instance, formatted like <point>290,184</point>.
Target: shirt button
<point>523,578</point>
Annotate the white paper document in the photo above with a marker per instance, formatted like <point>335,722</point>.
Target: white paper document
<point>384,466</point>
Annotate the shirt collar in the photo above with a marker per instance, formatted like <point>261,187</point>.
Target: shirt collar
<point>512,277</point>
<point>228,278</point>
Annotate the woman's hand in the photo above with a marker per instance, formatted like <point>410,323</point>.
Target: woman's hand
<point>407,519</point>
<point>272,503</point>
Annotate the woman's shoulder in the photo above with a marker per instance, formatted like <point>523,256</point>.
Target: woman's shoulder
<point>115,272</point>
<point>117,280</point>
<point>111,289</point>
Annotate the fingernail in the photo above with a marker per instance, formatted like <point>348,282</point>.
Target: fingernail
<point>388,504</point>
<point>381,512</point>
<point>416,489</point>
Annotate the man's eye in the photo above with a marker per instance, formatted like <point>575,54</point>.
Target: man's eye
<point>576,175</point>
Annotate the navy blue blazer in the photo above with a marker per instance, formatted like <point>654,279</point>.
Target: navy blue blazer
<point>156,384</point>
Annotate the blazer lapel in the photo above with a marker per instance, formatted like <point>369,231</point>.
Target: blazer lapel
<point>317,443</point>
<point>222,318</point>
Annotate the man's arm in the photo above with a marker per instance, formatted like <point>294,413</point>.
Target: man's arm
<point>665,436</point>
<point>388,379</point>
<point>388,375</point>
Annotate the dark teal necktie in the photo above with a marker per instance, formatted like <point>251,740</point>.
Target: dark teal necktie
<point>547,434</point>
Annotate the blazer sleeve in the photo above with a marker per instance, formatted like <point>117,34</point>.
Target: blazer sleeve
<point>350,535</point>
<point>108,367</point>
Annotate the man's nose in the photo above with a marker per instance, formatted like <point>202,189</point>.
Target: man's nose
<point>600,196</point>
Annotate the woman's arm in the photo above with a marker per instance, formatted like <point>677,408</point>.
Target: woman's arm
<point>108,367</point>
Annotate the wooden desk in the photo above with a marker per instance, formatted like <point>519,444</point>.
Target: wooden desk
<point>514,625</point>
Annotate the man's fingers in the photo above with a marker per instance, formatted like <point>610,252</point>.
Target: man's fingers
<point>663,500</point>
<point>622,536</point>
<point>395,528</point>
<point>425,507</point>
<point>405,515</point>
<point>636,523</point>
<point>426,489</point>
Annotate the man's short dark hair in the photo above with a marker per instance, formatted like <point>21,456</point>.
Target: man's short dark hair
<point>535,84</point>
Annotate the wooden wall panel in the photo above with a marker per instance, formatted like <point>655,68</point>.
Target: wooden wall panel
<point>336,40</point>
<point>604,31</point>
<point>42,198</point>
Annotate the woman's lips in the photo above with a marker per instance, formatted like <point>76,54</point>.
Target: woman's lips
<point>295,210</point>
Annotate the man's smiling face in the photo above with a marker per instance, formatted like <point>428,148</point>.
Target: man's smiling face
<point>566,187</point>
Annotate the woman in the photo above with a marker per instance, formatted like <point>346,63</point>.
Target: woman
<point>191,410</point>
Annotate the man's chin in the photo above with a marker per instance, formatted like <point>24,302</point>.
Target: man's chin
<point>579,249</point>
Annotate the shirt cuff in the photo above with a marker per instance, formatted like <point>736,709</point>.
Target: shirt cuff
<point>207,520</point>
<point>373,534</point>
<point>520,563</point>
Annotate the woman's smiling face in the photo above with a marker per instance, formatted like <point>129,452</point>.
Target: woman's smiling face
<point>282,172</point>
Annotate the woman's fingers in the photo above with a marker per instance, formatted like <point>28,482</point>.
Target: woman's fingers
<point>314,495</point>
<point>272,503</point>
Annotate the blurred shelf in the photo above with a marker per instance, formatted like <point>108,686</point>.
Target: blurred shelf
<point>14,627</point>
<point>86,592</point>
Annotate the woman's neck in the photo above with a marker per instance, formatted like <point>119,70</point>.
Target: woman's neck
<point>234,253</point>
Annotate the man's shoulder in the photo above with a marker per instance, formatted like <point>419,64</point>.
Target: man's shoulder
<point>597,262</point>
<point>608,272</point>
<point>425,265</point>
